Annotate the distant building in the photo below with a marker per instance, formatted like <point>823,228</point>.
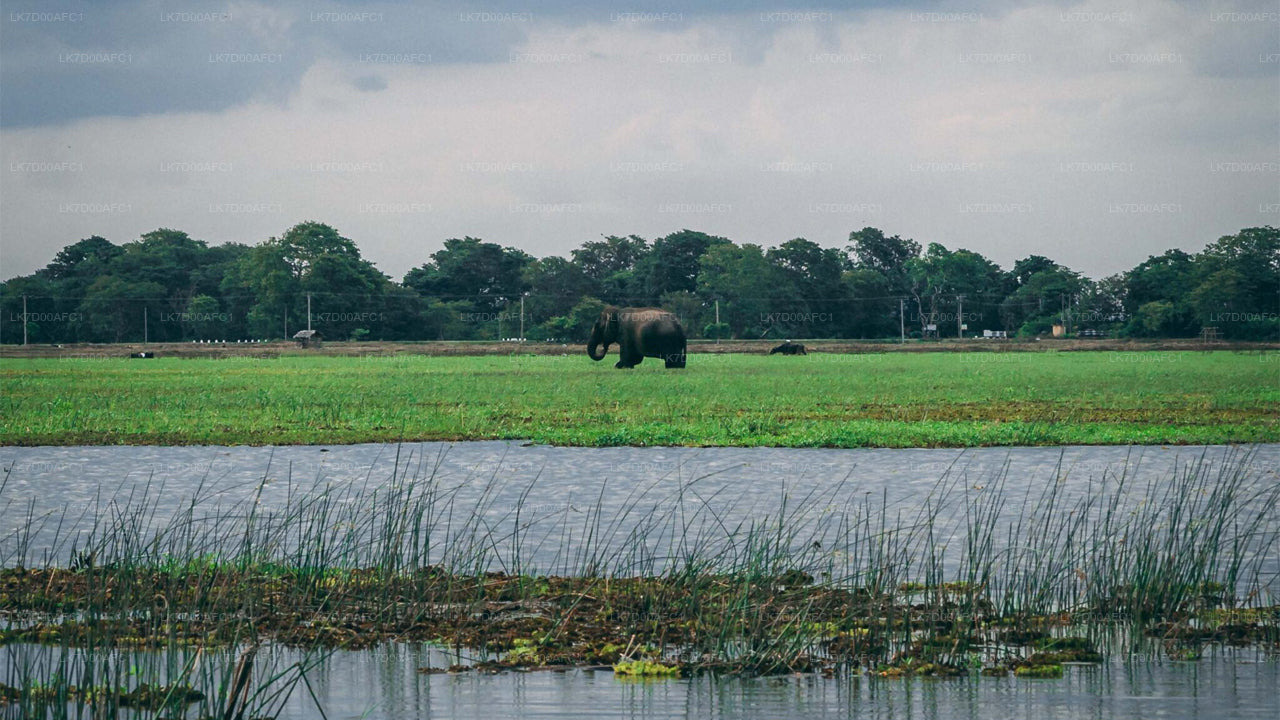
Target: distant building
<point>307,338</point>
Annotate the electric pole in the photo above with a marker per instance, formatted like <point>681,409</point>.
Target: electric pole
<point>960,316</point>
<point>308,312</point>
<point>717,322</point>
<point>902,318</point>
<point>24,319</point>
<point>144,324</point>
<point>522,316</point>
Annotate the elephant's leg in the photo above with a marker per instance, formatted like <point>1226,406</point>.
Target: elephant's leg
<point>627,356</point>
<point>675,358</point>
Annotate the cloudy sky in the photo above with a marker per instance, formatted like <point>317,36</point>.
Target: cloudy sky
<point>1095,132</point>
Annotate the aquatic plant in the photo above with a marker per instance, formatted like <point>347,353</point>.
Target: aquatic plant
<point>829,579</point>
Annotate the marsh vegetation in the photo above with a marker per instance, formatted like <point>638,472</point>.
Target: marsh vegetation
<point>671,581</point>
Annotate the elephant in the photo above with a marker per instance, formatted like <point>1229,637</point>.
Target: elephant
<point>639,333</point>
<point>789,348</point>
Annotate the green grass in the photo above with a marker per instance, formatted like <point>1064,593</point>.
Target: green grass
<point>823,400</point>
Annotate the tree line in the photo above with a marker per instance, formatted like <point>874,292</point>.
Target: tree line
<point>167,286</point>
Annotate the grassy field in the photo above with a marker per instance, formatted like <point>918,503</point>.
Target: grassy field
<point>823,400</point>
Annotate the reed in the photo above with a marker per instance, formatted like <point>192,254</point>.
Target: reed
<point>829,579</point>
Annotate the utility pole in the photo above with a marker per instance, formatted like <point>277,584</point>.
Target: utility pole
<point>24,319</point>
<point>902,318</point>
<point>144,324</point>
<point>308,311</point>
<point>286,322</point>
<point>717,322</point>
<point>522,316</point>
<point>960,316</point>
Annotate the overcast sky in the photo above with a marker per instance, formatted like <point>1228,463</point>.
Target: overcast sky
<point>1096,133</point>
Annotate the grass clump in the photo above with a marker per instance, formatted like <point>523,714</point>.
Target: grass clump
<point>645,669</point>
<point>1039,672</point>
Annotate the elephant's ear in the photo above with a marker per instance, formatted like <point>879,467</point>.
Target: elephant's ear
<point>613,320</point>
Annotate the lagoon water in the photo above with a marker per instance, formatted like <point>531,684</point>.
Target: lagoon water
<point>384,684</point>
<point>58,493</point>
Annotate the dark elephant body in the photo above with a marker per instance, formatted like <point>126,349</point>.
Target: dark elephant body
<point>789,348</point>
<point>639,333</point>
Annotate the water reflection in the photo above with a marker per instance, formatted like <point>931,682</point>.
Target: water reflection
<point>385,683</point>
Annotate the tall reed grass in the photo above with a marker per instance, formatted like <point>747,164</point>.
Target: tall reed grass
<point>677,570</point>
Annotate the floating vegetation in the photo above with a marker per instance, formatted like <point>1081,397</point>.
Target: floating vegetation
<point>144,696</point>
<point>1045,671</point>
<point>668,586</point>
<point>645,669</point>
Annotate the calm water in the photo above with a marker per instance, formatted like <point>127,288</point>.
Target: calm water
<point>1239,686</point>
<point>61,492</point>
<point>384,683</point>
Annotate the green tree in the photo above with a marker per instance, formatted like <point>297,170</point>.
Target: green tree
<point>1101,305</point>
<point>673,263</point>
<point>689,307</point>
<point>748,288</point>
<point>613,266</point>
<point>306,242</point>
<point>486,274</point>
<point>1027,267</point>
<point>270,283</point>
<point>346,295</point>
<point>555,286</point>
<point>1237,285</point>
<point>815,272</point>
<point>872,311</point>
<point>204,319</point>
<point>1167,279</point>
<point>574,326</point>
<point>940,278</point>
<point>1159,318</point>
<point>116,311</point>
<point>1045,292</point>
<point>890,257</point>
<point>86,258</point>
<point>56,323</point>
<point>869,249</point>
<point>168,258</point>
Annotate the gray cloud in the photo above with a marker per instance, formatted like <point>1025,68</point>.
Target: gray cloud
<point>1060,129</point>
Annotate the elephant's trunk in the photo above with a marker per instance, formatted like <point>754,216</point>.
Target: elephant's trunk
<point>594,342</point>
